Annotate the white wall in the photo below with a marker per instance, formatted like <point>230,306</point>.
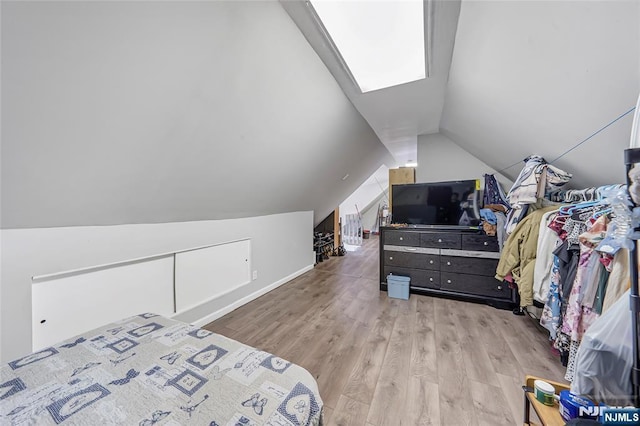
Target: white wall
<point>370,213</point>
<point>281,245</point>
<point>441,159</point>
<point>154,112</point>
<point>538,77</point>
<point>375,189</point>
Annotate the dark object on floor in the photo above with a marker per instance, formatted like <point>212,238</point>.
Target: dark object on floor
<point>339,251</point>
<point>518,311</point>
<point>322,245</point>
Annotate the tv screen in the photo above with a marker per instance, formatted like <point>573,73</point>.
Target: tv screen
<point>439,203</point>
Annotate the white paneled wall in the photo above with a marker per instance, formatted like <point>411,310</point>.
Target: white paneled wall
<point>202,275</point>
<point>73,302</point>
<point>281,249</point>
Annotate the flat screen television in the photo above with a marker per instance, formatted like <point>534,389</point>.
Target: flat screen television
<point>452,203</point>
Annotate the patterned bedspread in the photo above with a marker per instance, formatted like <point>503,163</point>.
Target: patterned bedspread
<point>149,370</point>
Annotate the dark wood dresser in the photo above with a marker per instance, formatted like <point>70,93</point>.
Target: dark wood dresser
<point>458,263</point>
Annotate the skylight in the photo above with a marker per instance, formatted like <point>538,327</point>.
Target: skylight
<point>381,41</point>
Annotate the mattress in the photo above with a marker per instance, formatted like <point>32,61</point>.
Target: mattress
<point>150,370</point>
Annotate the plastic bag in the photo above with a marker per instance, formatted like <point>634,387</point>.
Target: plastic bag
<point>619,232</point>
<point>605,357</point>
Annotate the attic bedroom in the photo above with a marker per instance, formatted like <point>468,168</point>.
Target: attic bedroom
<point>164,165</point>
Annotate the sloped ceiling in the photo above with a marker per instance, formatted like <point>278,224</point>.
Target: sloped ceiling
<point>146,112</point>
<point>541,76</point>
<point>139,112</point>
<point>526,77</point>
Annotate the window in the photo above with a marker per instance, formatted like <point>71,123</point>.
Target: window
<point>380,42</point>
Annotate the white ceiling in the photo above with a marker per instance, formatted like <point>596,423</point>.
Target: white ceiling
<point>397,114</point>
<point>540,77</point>
<point>525,77</point>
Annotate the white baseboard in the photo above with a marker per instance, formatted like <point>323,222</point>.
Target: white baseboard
<point>235,305</point>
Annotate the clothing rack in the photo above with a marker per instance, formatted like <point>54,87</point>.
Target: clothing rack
<point>631,158</point>
<point>578,195</point>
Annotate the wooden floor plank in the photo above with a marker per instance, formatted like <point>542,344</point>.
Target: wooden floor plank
<point>334,371</point>
<point>490,405</point>
<point>349,413</point>
<point>361,383</point>
<point>389,397</point>
<point>478,365</point>
<point>423,402</point>
<point>512,391</point>
<point>327,413</point>
<point>534,356</point>
<point>220,329</point>
<point>423,353</point>
<point>456,404</point>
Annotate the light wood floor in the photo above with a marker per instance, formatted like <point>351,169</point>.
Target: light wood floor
<point>381,361</point>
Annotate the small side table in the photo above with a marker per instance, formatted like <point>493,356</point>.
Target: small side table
<point>548,415</point>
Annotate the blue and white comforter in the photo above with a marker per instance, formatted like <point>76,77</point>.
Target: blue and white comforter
<point>149,370</point>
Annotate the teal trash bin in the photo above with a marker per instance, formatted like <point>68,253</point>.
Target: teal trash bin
<point>398,286</point>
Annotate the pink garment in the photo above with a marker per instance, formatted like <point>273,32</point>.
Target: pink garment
<point>578,318</point>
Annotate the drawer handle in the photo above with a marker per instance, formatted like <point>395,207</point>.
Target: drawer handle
<point>390,257</point>
<point>431,279</point>
<point>431,262</point>
<point>411,249</point>
<point>499,287</point>
<point>401,238</point>
<point>486,243</point>
<point>439,240</point>
<point>448,263</point>
<point>448,281</point>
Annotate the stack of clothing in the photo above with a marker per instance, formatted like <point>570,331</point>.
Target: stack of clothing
<point>535,181</point>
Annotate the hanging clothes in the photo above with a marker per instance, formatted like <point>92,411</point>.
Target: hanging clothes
<point>519,254</point>
<point>501,233</point>
<point>618,281</point>
<point>579,316</point>
<point>551,317</point>
<point>584,278</point>
<point>493,193</point>
<point>567,224</point>
<point>591,281</point>
<point>548,240</point>
<point>568,266</point>
<point>583,306</point>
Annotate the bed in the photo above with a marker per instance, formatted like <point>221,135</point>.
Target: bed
<point>150,370</point>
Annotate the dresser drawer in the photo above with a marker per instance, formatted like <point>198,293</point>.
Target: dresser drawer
<point>479,242</point>
<point>440,240</point>
<point>402,238</point>
<point>419,277</point>
<point>472,265</point>
<point>474,284</point>
<point>412,260</point>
